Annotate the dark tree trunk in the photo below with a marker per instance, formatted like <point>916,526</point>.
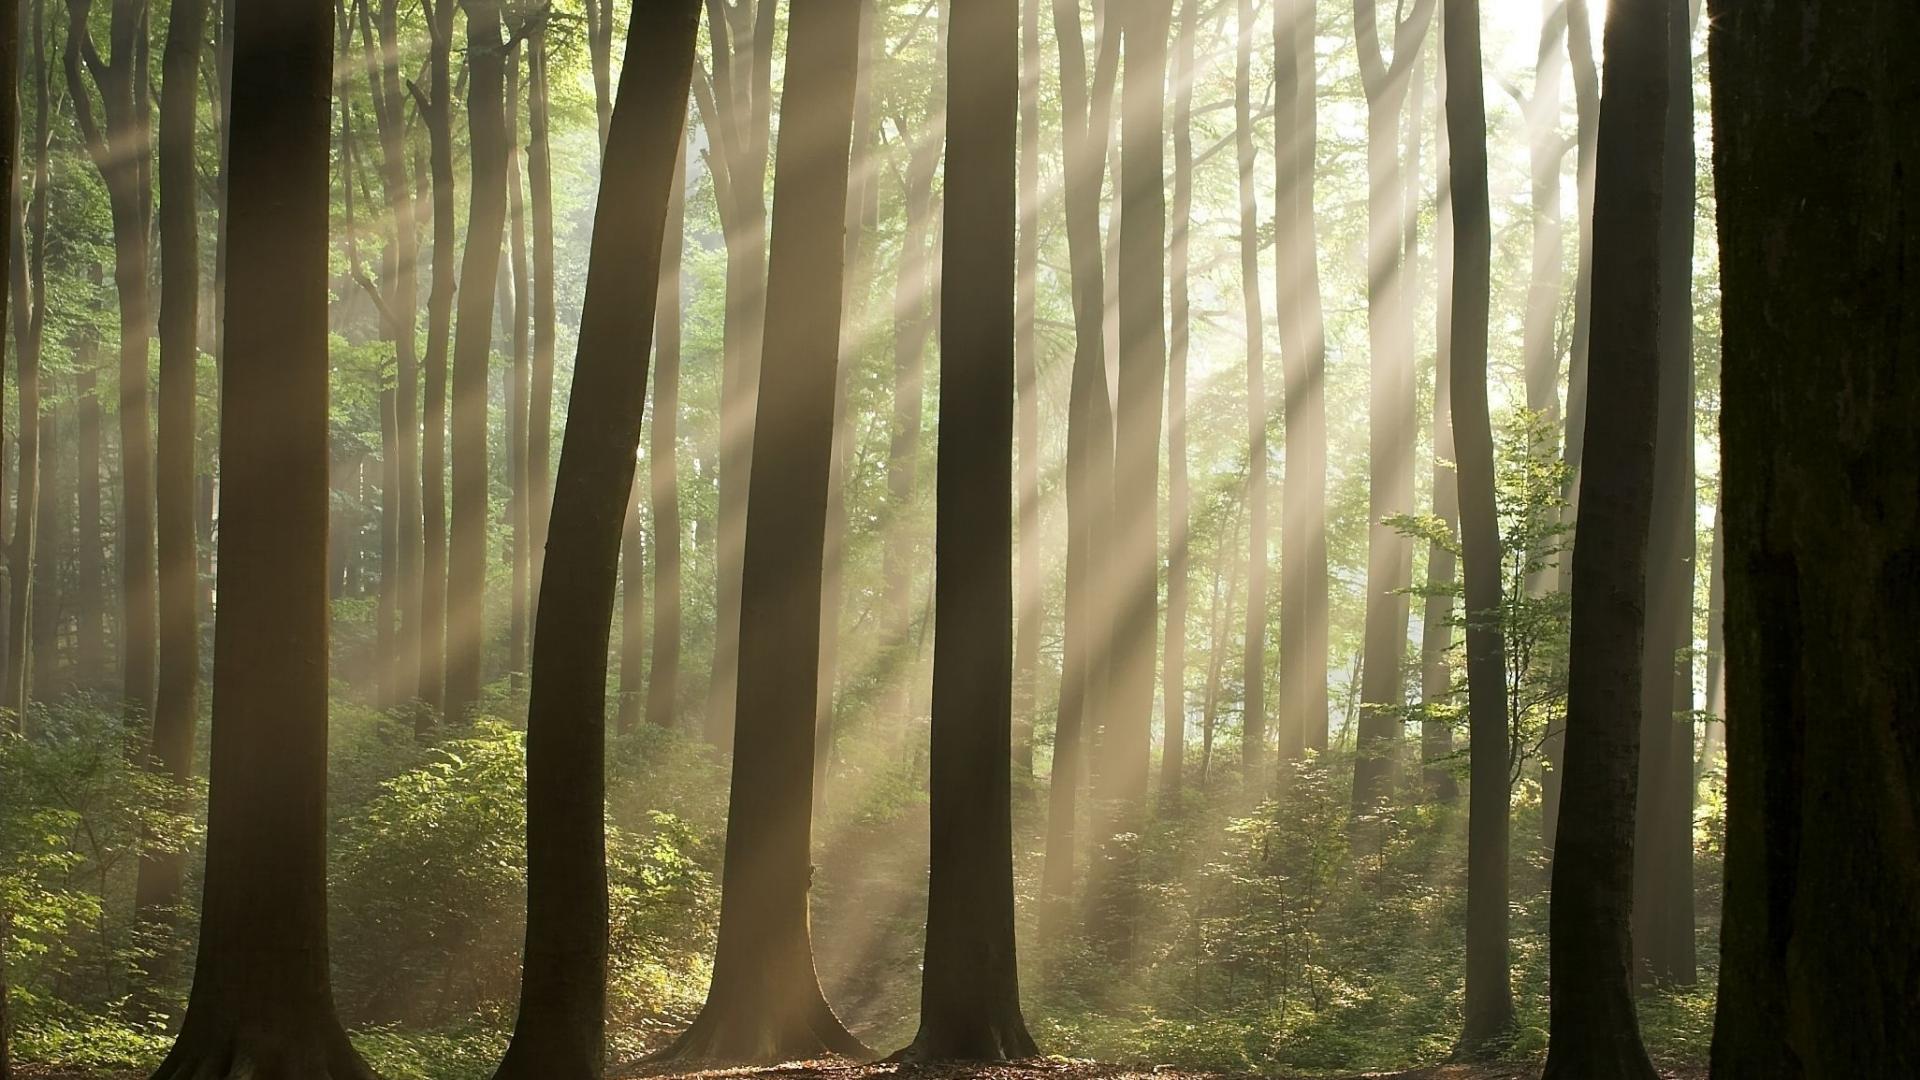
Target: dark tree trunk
<point>633,611</point>
<point>970,988</point>
<point>1815,154</point>
<point>1436,639</point>
<point>1173,680</point>
<point>1663,844</point>
<point>1253,746</point>
<point>261,1004</point>
<point>174,713</point>
<point>387,599</point>
<point>1089,479</point>
<point>1595,1031</point>
<point>27,285</point>
<point>1392,421</point>
<point>1030,607</point>
<point>561,1026</point>
<point>1489,992</point>
<point>765,1002</point>
<point>49,556</point>
<point>437,113</point>
<point>1303,355</point>
<point>120,151</point>
<point>663,458</point>
<point>473,333</point>
<point>739,112</point>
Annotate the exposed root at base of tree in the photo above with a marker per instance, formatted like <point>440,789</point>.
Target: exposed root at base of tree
<point>311,1056</point>
<point>1063,1069</point>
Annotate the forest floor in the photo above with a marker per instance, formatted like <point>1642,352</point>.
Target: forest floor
<point>1033,1070</point>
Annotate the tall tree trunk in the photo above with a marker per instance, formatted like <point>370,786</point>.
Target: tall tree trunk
<point>437,113</point>
<point>1392,421</point>
<point>738,110</point>
<point>480,262</point>
<point>174,711</point>
<point>387,600</point>
<point>90,609</point>
<point>1489,992</point>
<point>561,1024</point>
<point>545,320</point>
<point>765,1002</point>
<point>1253,747</point>
<point>1436,637</point>
<point>261,1004</point>
<point>599,15</point>
<point>1030,607</point>
<point>1595,1031</point>
<point>1815,154</point>
<point>27,281</point>
<point>1713,740</point>
<point>663,464</point>
<point>1179,500</point>
<point>1089,479</point>
<point>1303,355</point>
<point>49,556</point>
<point>970,989</point>
<point>521,385</point>
<point>633,611</point>
<point>119,146</point>
<point>1663,844</point>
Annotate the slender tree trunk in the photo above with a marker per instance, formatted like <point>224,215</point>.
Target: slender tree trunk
<point>1595,1030</point>
<point>27,270</point>
<point>1663,844</point>
<point>633,611</point>
<point>1089,479</point>
<point>480,262</point>
<point>970,988</point>
<point>49,556</point>
<point>600,59</point>
<point>1436,640</point>
<point>1254,722</point>
<point>90,611</point>
<point>545,319</point>
<point>765,1002</point>
<point>561,1028</point>
<point>1303,354</point>
<point>260,1004</point>
<point>1179,500</point>
<point>1489,993</point>
<point>387,601</point>
<point>437,112</point>
<point>521,384</point>
<point>1031,603</point>
<point>1818,395</point>
<point>175,712</point>
<point>663,464</point>
<point>1392,420</point>
<point>1713,740</point>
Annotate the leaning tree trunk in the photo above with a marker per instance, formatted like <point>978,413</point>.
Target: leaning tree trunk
<point>561,1028</point>
<point>473,336</point>
<point>1489,996</point>
<point>158,888</point>
<point>1595,1031</point>
<point>1815,154</point>
<point>261,1004</point>
<point>1303,355</point>
<point>765,1002</point>
<point>970,987</point>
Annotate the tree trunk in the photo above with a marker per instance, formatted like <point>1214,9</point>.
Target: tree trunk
<point>521,384</point>
<point>480,262</point>
<point>561,1029</point>
<point>1436,638</point>
<point>1173,681</point>
<point>633,611</point>
<point>1303,355</point>
<point>1253,747</point>
<point>90,609</point>
<point>1663,845</point>
<point>1814,154</point>
<point>969,990</point>
<point>1595,1032</point>
<point>49,556</point>
<point>260,1003</point>
<point>1392,421</point>
<point>1489,992</point>
<point>545,320</point>
<point>1713,740</point>
<point>175,713</point>
<point>437,112</point>
<point>1089,479</point>
<point>1030,607</point>
<point>765,1002</point>
<point>663,679</point>
<point>27,270</point>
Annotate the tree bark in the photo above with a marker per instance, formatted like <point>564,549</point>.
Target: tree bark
<point>540,400</point>
<point>1595,1032</point>
<point>27,268</point>
<point>261,1004</point>
<point>1436,638</point>
<point>1253,746</point>
<point>970,990</point>
<point>90,611</point>
<point>663,457</point>
<point>1173,681</point>
<point>473,334</point>
<point>1814,155</point>
<point>1489,990</point>
<point>1303,355</point>
<point>437,113</point>
<point>520,381</point>
<point>1031,604</point>
<point>561,1028</point>
<point>765,1002</point>
<point>633,611</point>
